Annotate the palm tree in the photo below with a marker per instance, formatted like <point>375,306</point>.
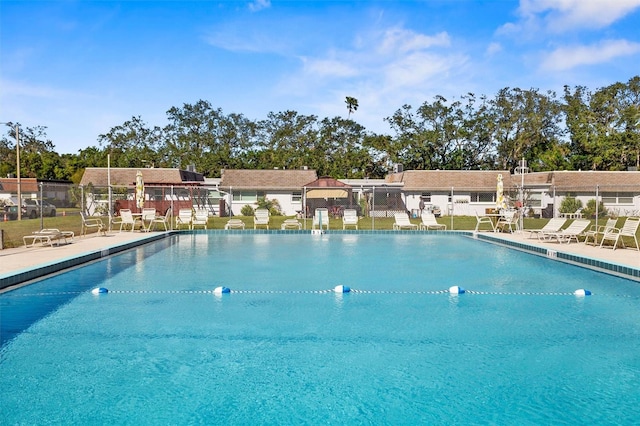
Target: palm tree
<point>352,105</point>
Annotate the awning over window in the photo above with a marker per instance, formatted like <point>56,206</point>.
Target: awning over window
<point>327,193</point>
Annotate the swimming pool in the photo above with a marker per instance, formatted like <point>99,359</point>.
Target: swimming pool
<point>517,348</point>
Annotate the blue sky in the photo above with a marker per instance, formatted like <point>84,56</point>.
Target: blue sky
<point>82,67</point>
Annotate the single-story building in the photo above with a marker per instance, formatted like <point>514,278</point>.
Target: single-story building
<point>244,187</point>
<point>164,188</point>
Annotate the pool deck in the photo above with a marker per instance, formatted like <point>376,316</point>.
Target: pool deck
<point>25,263</point>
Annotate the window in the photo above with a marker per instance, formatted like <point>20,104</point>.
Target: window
<point>426,197</point>
<point>617,197</point>
<point>248,196</point>
<point>483,197</point>
<point>296,197</point>
<point>534,199</point>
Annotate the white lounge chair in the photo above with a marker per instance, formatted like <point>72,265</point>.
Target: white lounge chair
<point>403,222</point>
<point>554,225</point>
<point>575,215</point>
<point>91,222</point>
<point>321,219</point>
<point>47,237</point>
<point>291,224</point>
<point>184,218</point>
<point>234,224</point>
<point>261,218</point>
<point>349,218</point>
<point>597,231</point>
<point>629,230</point>
<point>576,229</point>
<point>200,218</point>
<point>509,219</point>
<point>429,222</point>
<point>484,220</point>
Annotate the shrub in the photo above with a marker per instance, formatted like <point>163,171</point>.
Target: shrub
<point>570,204</point>
<point>272,205</point>
<point>589,211</point>
<point>246,210</point>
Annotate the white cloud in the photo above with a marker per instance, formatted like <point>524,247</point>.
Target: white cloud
<point>568,57</point>
<point>401,40</point>
<point>328,68</point>
<point>493,48</point>
<point>560,15</point>
<point>258,5</point>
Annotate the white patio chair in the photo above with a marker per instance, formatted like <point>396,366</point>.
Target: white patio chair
<point>261,218</point>
<point>184,218</point>
<point>349,218</point>
<point>320,219</point>
<point>597,231</point>
<point>234,224</point>
<point>126,220</point>
<point>576,229</point>
<point>148,215</point>
<point>509,220</point>
<point>92,222</point>
<point>200,218</point>
<point>291,224</point>
<point>484,220</point>
<point>554,225</point>
<point>629,230</point>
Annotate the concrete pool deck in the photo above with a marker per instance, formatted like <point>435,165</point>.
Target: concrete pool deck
<point>26,263</point>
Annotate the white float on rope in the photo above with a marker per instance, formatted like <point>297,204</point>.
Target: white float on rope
<point>582,292</point>
<point>99,290</point>
<point>456,290</point>
<point>341,289</point>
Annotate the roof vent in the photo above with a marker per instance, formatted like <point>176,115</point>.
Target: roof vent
<point>398,168</point>
<point>191,168</point>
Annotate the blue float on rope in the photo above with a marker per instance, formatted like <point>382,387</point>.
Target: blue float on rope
<point>221,290</point>
<point>99,290</point>
<point>456,290</point>
<point>582,292</point>
<point>341,289</point>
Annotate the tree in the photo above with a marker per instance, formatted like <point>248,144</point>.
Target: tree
<point>352,105</point>
<point>132,144</point>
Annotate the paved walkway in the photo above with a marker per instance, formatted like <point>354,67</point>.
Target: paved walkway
<point>20,259</point>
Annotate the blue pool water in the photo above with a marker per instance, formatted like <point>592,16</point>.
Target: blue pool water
<point>161,349</point>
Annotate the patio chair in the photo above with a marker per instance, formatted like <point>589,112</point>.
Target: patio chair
<point>261,218</point>
<point>429,222</point>
<point>596,231</point>
<point>148,215</point>
<point>349,218</point>
<point>162,220</point>
<point>629,230</point>
<point>291,224</point>
<point>402,222</point>
<point>234,224</point>
<point>92,222</point>
<point>554,225</point>
<point>47,237</point>
<point>200,218</point>
<point>509,219</point>
<point>484,220</point>
<point>320,219</point>
<point>126,220</point>
<point>184,218</point>
<point>573,231</point>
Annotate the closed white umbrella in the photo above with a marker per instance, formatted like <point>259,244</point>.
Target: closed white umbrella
<point>139,190</point>
<point>500,202</point>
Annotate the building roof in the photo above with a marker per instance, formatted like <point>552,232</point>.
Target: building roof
<point>327,182</point>
<point>444,180</point>
<point>588,180</point>
<point>266,179</point>
<point>10,185</point>
<point>121,176</point>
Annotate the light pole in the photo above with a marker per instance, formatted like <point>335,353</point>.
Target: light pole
<point>521,170</point>
<point>18,182</point>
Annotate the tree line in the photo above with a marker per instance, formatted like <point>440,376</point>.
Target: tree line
<point>581,130</point>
